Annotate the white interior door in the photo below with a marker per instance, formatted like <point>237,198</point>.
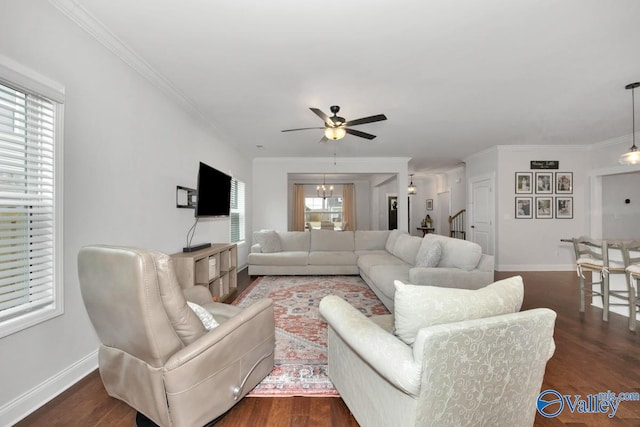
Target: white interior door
<point>481,213</point>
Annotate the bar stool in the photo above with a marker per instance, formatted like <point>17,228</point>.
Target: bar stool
<point>631,256</point>
<point>593,256</point>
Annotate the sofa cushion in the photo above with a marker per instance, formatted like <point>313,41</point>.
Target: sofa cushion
<point>429,254</point>
<point>371,240</point>
<point>391,240</point>
<point>329,240</point>
<point>280,258</point>
<point>295,241</point>
<point>416,307</point>
<point>366,261</point>
<point>332,258</point>
<point>407,247</point>
<point>456,253</point>
<point>269,241</point>
<point>384,277</point>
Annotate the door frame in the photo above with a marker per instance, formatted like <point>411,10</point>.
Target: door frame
<point>491,177</point>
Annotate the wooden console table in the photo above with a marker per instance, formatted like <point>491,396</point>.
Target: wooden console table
<point>426,230</point>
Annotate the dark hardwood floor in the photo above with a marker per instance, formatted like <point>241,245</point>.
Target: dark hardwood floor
<point>591,357</point>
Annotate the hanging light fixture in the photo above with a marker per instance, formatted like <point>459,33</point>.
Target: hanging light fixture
<point>632,157</point>
<point>322,189</point>
<point>411,189</point>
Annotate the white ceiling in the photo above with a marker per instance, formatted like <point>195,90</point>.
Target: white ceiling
<point>453,76</point>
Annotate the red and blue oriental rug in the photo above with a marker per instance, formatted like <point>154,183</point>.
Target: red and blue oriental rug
<point>301,333</point>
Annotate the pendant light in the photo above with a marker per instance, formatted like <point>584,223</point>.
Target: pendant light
<point>411,189</point>
<point>632,157</point>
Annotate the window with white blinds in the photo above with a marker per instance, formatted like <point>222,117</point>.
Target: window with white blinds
<point>237,211</point>
<point>28,221</point>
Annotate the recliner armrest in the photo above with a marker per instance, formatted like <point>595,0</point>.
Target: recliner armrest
<point>255,323</point>
<point>389,356</point>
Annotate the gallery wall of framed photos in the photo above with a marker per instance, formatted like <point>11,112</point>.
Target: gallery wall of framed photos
<point>544,194</point>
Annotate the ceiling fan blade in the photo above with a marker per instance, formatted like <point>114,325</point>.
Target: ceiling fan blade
<point>370,119</point>
<point>323,139</point>
<point>360,134</point>
<point>291,130</point>
<point>322,115</point>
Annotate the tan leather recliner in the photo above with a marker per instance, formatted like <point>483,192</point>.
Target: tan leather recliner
<point>156,354</point>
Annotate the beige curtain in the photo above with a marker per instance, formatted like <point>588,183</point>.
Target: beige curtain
<point>298,207</point>
<point>349,206</point>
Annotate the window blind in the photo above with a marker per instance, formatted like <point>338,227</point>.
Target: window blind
<point>237,211</point>
<point>27,130</point>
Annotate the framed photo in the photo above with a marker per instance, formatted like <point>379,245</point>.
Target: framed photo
<point>523,182</point>
<point>564,207</point>
<point>564,182</point>
<point>524,208</point>
<point>544,182</point>
<point>544,207</point>
<point>429,204</point>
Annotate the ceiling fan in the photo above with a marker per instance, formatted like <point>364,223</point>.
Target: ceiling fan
<point>336,127</point>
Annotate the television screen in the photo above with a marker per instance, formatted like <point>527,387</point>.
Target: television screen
<point>214,192</point>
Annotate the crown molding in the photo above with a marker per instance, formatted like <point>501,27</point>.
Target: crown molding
<point>89,23</point>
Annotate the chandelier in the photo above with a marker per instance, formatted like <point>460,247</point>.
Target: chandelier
<point>411,189</point>
<point>322,189</point>
<point>632,156</point>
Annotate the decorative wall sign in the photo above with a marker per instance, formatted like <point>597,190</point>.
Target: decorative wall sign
<point>545,164</point>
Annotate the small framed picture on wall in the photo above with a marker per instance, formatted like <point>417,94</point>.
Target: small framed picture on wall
<point>429,204</point>
<point>544,207</point>
<point>564,207</point>
<point>564,182</point>
<point>523,182</point>
<point>544,182</point>
<point>524,208</point>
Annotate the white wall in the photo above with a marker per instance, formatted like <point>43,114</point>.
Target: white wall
<point>534,244</point>
<point>271,186</point>
<point>620,219</point>
<point>127,146</point>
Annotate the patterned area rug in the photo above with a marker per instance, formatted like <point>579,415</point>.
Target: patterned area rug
<point>301,333</point>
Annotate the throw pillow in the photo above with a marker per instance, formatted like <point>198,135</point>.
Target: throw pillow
<point>416,307</point>
<point>269,241</point>
<point>206,318</point>
<point>429,254</point>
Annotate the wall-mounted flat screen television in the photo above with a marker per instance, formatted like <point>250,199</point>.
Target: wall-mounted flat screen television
<point>214,192</point>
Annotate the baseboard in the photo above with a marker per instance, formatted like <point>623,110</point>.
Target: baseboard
<point>33,399</point>
<point>529,267</point>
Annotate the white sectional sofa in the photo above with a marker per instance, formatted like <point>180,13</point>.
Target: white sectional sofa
<point>380,257</point>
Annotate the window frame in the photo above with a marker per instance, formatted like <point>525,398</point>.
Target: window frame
<point>240,210</point>
<point>16,76</point>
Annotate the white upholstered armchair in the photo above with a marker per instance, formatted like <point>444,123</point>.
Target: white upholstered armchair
<point>482,372</point>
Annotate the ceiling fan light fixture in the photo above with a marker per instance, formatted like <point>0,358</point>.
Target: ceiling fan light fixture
<point>335,132</point>
<point>632,157</point>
